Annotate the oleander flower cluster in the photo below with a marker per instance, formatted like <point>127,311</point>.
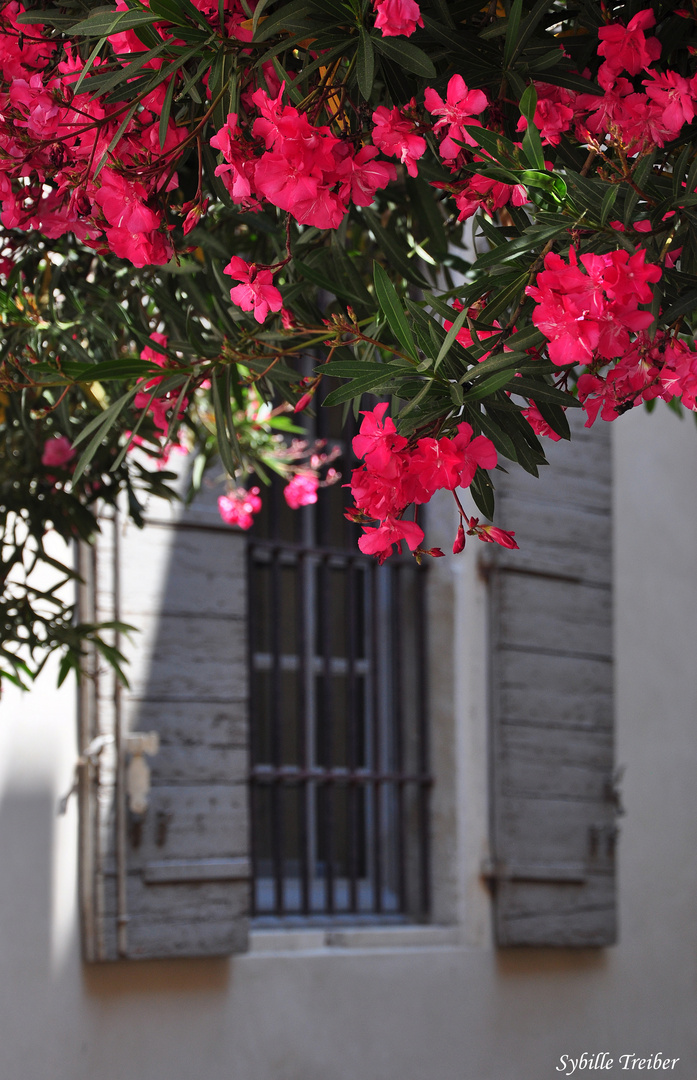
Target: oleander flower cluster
<point>396,475</point>
<point>309,150</point>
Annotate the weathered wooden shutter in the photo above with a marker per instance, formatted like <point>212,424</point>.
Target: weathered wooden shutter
<point>553,795</point>
<point>170,878</point>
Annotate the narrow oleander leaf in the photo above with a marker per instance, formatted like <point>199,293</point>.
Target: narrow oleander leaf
<point>513,27</point>
<point>291,17</point>
<point>609,200</point>
<point>489,386</point>
<point>482,491</point>
<point>391,306</point>
<point>101,427</point>
<point>450,338</point>
<point>365,63</point>
<point>541,391</point>
<point>409,57</point>
<point>355,369</point>
<point>104,23</point>
<point>356,387</point>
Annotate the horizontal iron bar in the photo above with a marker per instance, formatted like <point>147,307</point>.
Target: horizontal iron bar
<point>289,774</point>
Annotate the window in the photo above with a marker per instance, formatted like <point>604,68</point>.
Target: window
<point>339,768</point>
<point>333,663</point>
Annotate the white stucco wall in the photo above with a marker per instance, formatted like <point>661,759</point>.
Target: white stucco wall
<point>452,1010</point>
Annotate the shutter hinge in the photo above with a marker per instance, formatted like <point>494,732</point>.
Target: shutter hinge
<point>89,756</point>
<point>573,873</point>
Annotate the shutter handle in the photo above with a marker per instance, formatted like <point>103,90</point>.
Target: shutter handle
<point>138,744</point>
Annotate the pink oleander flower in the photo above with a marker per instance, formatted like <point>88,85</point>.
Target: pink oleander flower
<point>675,98</point>
<point>124,203</point>
<point>591,309</point>
<point>57,452</point>
<point>436,464</point>
<point>485,193</point>
<point>301,491</point>
<point>239,506</point>
<point>538,423</point>
<point>456,113</point>
<point>378,442</point>
<point>395,134</point>
<point>460,540</point>
<point>554,113</point>
<point>627,48</point>
<point>397,17</point>
<point>378,496</point>
<point>479,451</point>
<point>491,534</point>
<point>256,293</point>
<point>379,541</point>
<point>361,176</point>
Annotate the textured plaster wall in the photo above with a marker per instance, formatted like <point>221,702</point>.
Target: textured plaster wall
<point>458,1011</point>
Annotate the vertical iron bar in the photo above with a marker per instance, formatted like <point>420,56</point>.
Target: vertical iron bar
<point>423,748</point>
<point>303,749</point>
<point>276,825</point>
<point>352,736</point>
<point>120,741</point>
<point>252,727</point>
<point>326,727</point>
<point>375,734</point>
<point>397,726</point>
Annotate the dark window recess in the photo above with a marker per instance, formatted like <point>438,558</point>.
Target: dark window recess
<point>339,766</point>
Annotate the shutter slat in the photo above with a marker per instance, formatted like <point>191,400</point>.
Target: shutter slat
<point>553,814</point>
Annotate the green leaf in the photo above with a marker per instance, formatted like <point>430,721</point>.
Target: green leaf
<point>356,369</point>
<point>536,236</point>
<point>86,69</point>
<point>482,491</point>
<point>166,111</point>
<point>504,298</point>
<point>105,23</point>
<point>128,368</point>
<point>548,181</point>
<point>394,313</point>
<point>365,63</point>
<point>357,387</point>
<point>532,148</point>
<point>528,103</point>
<point>224,445</point>
<point>555,416</point>
<point>179,12</point>
<point>498,362</point>
<point>450,338</point>
<point>116,138</point>
<point>258,12</point>
<point>323,281</point>
<point>500,148</point>
<point>542,391</point>
<point>528,338</point>
<point>608,202</point>
<point>527,28</point>
<point>681,167</point>
<point>392,250</point>
<point>503,442</point>
<point>285,19</point>
<point>100,426</point>
<point>407,56</point>
<point>487,387</point>
<point>684,306</point>
<point>509,47</point>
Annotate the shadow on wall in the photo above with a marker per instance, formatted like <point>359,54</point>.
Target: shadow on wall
<point>26,853</point>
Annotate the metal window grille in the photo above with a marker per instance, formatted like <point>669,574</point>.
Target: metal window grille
<point>339,759</point>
